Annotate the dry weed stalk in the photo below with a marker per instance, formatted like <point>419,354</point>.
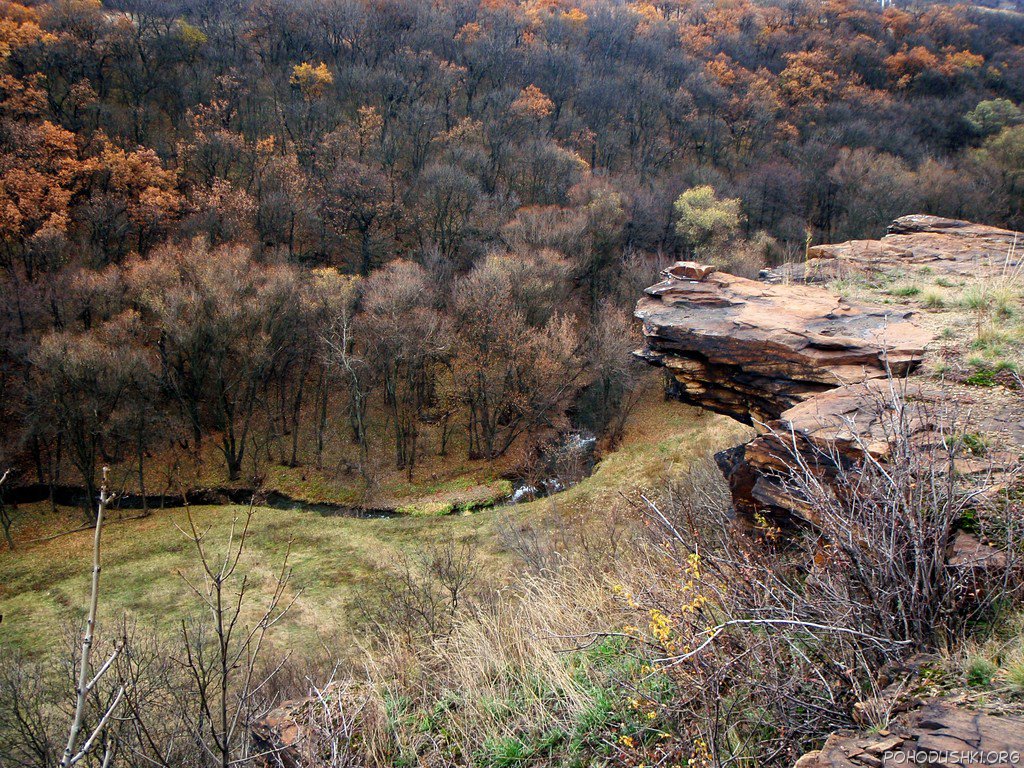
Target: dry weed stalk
<point>73,753</point>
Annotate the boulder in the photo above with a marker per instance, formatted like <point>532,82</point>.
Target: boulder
<point>690,270</point>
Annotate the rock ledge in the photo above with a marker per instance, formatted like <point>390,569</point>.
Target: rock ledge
<point>796,360</point>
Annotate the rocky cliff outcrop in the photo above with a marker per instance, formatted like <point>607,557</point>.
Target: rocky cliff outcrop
<point>949,246</point>
<point>812,371</point>
<point>822,379</point>
<point>752,350</point>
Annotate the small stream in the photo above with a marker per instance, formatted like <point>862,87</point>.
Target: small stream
<point>565,465</point>
<point>75,496</point>
<point>562,466</point>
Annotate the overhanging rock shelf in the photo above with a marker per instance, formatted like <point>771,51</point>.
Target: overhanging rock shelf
<point>799,362</point>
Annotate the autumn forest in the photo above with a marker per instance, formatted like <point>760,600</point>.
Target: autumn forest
<point>210,207</point>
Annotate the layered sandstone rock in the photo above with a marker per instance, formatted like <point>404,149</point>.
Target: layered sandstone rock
<point>948,246</point>
<point>753,350</point>
<point>814,373</point>
<point>823,380</point>
<point>797,362</point>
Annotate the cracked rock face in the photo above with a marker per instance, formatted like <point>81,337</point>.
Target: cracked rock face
<point>948,735</point>
<point>752,350</point>
<point>810,370</point>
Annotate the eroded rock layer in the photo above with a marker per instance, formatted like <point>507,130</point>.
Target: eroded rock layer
<point>811,371</point>
<point>753,350</point>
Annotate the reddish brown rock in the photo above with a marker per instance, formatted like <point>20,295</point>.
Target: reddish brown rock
<point>753,350</point>
<point>302,733</point>
<point>950,246</point>
<point>690,270</point>
<point>833,430</point>
<point>279,735</point>
<point>808,369</point>
<point>947,734</point>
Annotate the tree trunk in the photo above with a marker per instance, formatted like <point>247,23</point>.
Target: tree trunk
<point>140,448</point>
<point>365,255</point>
<point>297,412</point>
<point>5,521</point>
<point>321,426</point>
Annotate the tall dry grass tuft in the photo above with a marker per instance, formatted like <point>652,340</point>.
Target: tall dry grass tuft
<point>996,295</point>
<point>501,671</point>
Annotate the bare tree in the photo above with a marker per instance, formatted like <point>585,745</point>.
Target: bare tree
<point>6,517</point>
<point>339,341</point>
<point>81,383</point>
<point>514,377</point>
<point>74,752</point>
<point>29,733</point>
<point>223,653</point>
<point>411,343</point>
<point>429,593</point>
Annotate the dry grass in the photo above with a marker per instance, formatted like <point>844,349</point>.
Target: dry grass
<point>335,558</point>
<point>993,666</point>
<point>500,680</point>
<point>521,677</point>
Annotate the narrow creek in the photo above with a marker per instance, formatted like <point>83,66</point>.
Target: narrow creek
<point>565,465</point>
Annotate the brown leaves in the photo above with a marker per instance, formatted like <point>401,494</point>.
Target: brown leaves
<point>808,78</point>
<point>532,103</point>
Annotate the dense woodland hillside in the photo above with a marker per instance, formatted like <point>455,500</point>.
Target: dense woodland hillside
<point>255,224</point>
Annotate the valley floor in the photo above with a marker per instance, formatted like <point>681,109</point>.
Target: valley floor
<point>336,561</point>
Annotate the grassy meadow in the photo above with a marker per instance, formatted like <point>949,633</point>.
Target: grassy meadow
<point>335,560</point>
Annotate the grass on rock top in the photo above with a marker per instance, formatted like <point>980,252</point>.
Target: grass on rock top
<point>978,322</point>
<point>335,559</point>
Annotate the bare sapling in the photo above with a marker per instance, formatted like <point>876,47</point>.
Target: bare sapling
<point>6,518</point>
<point>222,652</point>
<point>73,753</point>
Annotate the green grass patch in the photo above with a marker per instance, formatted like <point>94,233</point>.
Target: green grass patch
<point>980,671</point>
<point>905,291</point>
<point>333,558</point>
<point>982,378</point>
